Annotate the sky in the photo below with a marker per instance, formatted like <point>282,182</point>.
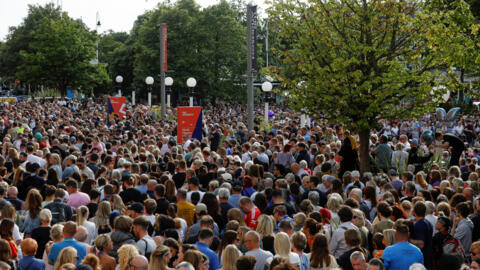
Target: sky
<point>117,15</point>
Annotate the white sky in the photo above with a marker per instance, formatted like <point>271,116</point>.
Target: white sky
<point>117,15</point>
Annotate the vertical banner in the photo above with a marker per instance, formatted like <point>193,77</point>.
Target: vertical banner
<point>189,123</point>
<point>252,32</point>
<point>164,47</point>
<point>116,106</point>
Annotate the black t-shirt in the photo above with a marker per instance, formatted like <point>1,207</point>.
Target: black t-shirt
<point>290,210</point>
<point>179,179</point>
<point>42,236</point>
<point>424,231</point>
<point>132,195</point>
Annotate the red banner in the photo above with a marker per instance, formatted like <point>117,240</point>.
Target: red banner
<point>116,106</point>
<point>189,123</point>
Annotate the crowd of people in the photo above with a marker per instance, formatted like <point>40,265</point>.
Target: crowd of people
<point>78,193</point>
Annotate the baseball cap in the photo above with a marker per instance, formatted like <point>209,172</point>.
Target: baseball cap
<point>226,176</point>
<point>200,207</point>
<point>237,185</point>
<point>414,141</point>
<point>392,172</point>
<point>445,222</point>
<point>137,207</point>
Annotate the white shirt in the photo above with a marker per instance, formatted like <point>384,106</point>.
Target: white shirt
<point>36,159</point>
<point>189,195</point>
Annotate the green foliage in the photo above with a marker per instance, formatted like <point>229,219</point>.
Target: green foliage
<point>50,92</point>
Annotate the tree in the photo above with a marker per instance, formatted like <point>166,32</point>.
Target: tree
<point>59,56</point>
<point>361,61</point>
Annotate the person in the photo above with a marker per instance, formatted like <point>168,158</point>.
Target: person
<point>358,261</point>
<point>376,264</point>
<point>353,241</point>
<point>125,255</point>
<point>75,197</point>
<point>403,253</point>
<point>56,234</point>
<point>230,257</point>
<point>103,245</point>
<point>252,241</point>
<point>122,234</point>
<point>32,205</point>
<point>280,215</point>
<point>82,220</point>
<point>463,227</point>
<point>69,230</point>
<point>337,241</point>
<point>383,153</point>
<point>184,266</point>
<point>61,211</point>
<point>195,257</point>
<point>246,262</point>
<point>41,234</point>
<point>146,245</point>
<point>186,210</point>
<point>29,262</point>
<point>252,213</point>
<point>320,257</point>
<point>92,261</point>
<point>283,250</point>
<point>475,264</point>
<point>299,243</point>
<point>6,232</point>
<point>423,233</point>
<point>66,255</point>
<point>205,238</point>
<point>475,250</point>
<point>159,258</point>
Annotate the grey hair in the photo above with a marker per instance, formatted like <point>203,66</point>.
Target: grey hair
<point>82,234</point>
<point>356,256</point>
<point>314,197</point>
<point>417,266</point>
<point>290,176</point>
<point>184,266</point>
<point>303,164</point>
<point>223,193</point>
<point>45,215</point>
<point>430,207</point>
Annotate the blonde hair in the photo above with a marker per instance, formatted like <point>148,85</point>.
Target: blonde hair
<point>68,266</point>
<point>67,255</point>
<point>265,225</point>
<point>299,219</point>
<point>93,261</point>
<point>229,257</point>
<point>56,233</point>
<point>282,245</point>
<point>235,214</point>
<point>102,215</point>
<point>117,203</point>
<point>159,258</point>
<point>125,254</point>
<point>334,202</point>
<point>389,236</point>
<point>102,241</point>
<point>419,179</point>
<point>82,215</point>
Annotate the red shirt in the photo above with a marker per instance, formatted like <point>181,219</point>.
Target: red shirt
<point>252,217</point>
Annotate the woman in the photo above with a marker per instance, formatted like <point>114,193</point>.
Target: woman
<point>82,216</point>
<point>117,204</point>
<point>266,227</point>
<point>475,265</point>
<point>194,257</point>
<point>370,199</point>
<point>285,157</point>
<point>67,255</point>
<point>102,216</point>
<point>160,258</point>
<point>310,228</point>
<point>213,209</point>
<point>420,182</point>
<point>92,261</point>
<point>353,240</point>
<point>283,249</point>
<point>6,232</point>
<point>359,221</point>
<point>320,257</point>
<point>122,234</point>
<point>228,238</point>
<point>54,163</point>
<point>170,191</point>
<point>56,234</point>
<point>29,249</point>
<point>236,214</point>
<point>174,247</point>
<point>8,211</point>
<point>334,203</point>
<point>230,257</point>
<point>104,244</point>
<point>32,205</point>
<point>125,255</point>
<point>6,254</point>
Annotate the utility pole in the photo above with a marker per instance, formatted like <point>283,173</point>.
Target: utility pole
<point>251,58</point>
<point>163,41</point>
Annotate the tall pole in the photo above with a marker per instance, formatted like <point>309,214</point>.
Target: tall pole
<point>251,59</point>
<point>266,42</point>
<point>163,29</point>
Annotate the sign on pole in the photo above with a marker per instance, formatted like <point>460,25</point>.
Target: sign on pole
<point>189,123</point>
<point>251,59</point>
<point>116,107</point>
<point>252,32</point>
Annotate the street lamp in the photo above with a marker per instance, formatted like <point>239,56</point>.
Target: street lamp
<point>119,80</point>
<point>168,84</point>
<point>267,88</point>
<point>133,95</point>
<point>149,81</point>
<point>191,83</point>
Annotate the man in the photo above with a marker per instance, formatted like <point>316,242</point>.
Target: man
<point>193,186</point>
<point>223,196</point>
<point>337,242</point>
<point>280,215</point>
<point>143,188</point>
<point>416,158</point>
<point>32,179</point>
<point>313,183</point>
<point>180,176</point>
<point>423,233</point>
<point>252,213</point>
<point>430,217</point>
<point>82,166</point>
<point>463,227</point>
<point>82,236</point>
<point>61,211</point>
<point>358,261</point>
<point>12,194</point>
<point>206,222</point>
<point>70,167</point>
<point>357,195</point>
<point>145,244</point>
<point>252,242</point>
<point>375,264</point>
<point>403,254</point>
<point>138,262</point>
<point>186,210</point>
<point>246,262</point>
<point>383,153</point>
<point>135,210</point>
<point>205,239</point>
<point>394,180</point>
<point>443,236</point>
<point>184,266</point>
<point>200,212</point>
<point>129,193</point>
<point>355,182</point>
<point>408,191</point>
<point>475,218</point>
<point>237,187</point>
<point>69,230</point>
<point>162,202</point>
<point>33,158</point>
<point>279,199</point>
<point>75,197</point>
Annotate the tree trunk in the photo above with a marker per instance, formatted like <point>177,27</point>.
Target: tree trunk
<point>364,150</point>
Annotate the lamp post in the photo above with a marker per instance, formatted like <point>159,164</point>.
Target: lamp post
<point>266,88</point>
<point>119,80</point>
<point>133,95</point>
<point>168,84</point>
<point>191,83</point>
<point>149,81</point>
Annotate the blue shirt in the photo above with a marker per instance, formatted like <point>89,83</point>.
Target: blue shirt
<point>401,255</point>
<point>31,263</point>
<point>214,264</point>
<point>68,242</point>
<point>286,217</point>
<point>233,200</point>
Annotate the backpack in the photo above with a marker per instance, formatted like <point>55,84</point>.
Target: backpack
<point>147,254</point>
<point>451,246</point>
<point>58,213</point>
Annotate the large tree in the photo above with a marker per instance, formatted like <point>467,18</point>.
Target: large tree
<point>357,61</point>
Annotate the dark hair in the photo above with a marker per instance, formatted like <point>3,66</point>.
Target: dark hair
<point>345,214</point>
<point>384,209</point>
<point>228,238</point>
<point>210,200</point>
<point>377,241</point>
<point>420,209</point>
<point>320,255</point>
<point>463,209</point>
<point>370,193</point>
<point>205,234</point>
<point>312,225</point>
<point>246,262</point>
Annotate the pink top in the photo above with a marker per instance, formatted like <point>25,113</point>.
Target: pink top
<point>78,199</point>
